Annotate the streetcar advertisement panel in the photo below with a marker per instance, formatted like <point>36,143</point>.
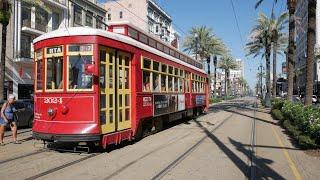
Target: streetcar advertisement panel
<point>164,104</point>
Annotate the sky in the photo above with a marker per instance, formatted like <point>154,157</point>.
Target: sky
<point>218,15</point>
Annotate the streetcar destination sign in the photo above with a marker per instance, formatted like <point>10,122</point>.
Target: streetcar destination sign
<point>54,50</point>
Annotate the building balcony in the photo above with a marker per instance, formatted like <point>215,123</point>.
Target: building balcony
<point>26,23</point>
<point>42,27</point>
<point>32,31</point>
<point>58,3</point>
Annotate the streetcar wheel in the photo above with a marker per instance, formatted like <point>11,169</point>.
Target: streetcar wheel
<point>30,123</point>
<point>139,133</point>
<point>158,123</point>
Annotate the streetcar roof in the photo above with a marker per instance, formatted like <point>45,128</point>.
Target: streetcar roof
<point>87,31</point>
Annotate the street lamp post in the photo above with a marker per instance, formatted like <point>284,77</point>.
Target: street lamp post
<point>209,77</point>
<point>260,68</point>
<point>215,61</point>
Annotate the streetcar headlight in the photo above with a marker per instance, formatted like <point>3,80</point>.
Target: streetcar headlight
<point>50,112</point>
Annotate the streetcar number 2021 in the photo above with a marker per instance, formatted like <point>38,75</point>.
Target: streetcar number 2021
<point>53,100</point>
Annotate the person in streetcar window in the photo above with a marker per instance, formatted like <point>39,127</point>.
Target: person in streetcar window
<point>146,81</point>
<point>156,83</point>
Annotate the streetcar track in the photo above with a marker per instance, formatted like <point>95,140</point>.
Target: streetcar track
<point>21,140</point>
<point>145,155</point>
<point>177,161</point>
<point>21,132</point>
<point>252,163</point>
<point>22,156</point>
<point>50,171</point>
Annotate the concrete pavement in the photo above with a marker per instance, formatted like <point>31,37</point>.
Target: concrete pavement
<point>232,141</point>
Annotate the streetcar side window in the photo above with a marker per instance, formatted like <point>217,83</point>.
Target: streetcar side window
<point>187,75</point>
<point>163,83</point>
<point>170,83</point>
<point>156,82</point>
<point>39,70</point>
<point>146,81</point>
<point>176,85</point>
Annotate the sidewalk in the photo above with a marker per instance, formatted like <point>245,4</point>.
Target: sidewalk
<point>302,165</point>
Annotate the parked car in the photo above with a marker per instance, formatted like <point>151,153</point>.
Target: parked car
<point>24,112</point>
<point>314,99</point>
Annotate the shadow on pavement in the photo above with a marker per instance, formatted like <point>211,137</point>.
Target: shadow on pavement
<point>242,166</point>
<point>259,119</point>
<point>263,171</point>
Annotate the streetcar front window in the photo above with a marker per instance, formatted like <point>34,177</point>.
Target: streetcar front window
<point>54,80</point>
<point>78,79</point>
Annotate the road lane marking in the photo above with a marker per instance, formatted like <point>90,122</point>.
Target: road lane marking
<point>289,159</point>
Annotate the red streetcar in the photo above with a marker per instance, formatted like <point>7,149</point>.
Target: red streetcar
<point>104,87</point>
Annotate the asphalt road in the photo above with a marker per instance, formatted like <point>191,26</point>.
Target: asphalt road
<point>232,141</point>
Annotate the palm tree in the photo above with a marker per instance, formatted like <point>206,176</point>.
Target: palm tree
<point>227,63</point>
<point>203,43</point>
<point>5,13</point>
<point>260,76</point>
<point>260,43</point>
<point>243,85</point>
<point>311,36</point>
<point>291,4</point>
<point>279,43</point>
<point>198,42</point>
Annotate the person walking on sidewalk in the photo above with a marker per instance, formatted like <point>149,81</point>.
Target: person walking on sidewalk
<point>7,117</point>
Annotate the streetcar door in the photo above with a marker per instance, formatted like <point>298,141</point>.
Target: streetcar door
<point>107,90</point>
<point>123,90</point>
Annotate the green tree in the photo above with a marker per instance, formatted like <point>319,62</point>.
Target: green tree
<point>5,14</point>
<point>291,4</point>
<point>227,63</point>
<point>260,43</point>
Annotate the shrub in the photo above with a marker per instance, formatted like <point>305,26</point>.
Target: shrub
<point>214,100</point>
<point>277,104</point>
<point>293,130</point>
<point>306,142</point>
<point>277,114</point>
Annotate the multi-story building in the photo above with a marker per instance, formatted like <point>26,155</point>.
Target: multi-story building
<point>219,80</point>
<point>301,48</point>
<point>145,14</point>
<point>32,19</point>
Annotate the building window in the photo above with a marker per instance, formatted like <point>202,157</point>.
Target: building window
<point>100,23</point>
<point>26,42</point>
<point>42,19</point>
<point>55,20</point>
<point>77,15</point>
<point>109,17</point>
<point>121,14</point>
<point>89,19</point>
<point>26,15</point>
